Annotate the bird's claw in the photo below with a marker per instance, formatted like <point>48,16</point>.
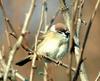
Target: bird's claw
<point>59,62</point>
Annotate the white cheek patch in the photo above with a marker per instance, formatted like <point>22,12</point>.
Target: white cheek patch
<point>53,28</point>
<point>63,34</point>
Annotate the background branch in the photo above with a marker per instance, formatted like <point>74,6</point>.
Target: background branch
<point>89,25</point>
<point>78,55</point>
<point>13,32</point>
<point>3,64</point>
<point>78,51</point>
<point>98,77</point>
<point>20,39</point>
<point>67,15</point>
<point>36,42</point>
<point>72,19</point>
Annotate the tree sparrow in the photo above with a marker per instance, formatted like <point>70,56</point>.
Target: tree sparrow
<point>55,42</point>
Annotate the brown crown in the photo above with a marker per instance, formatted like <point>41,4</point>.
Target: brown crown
<point>60,27</point>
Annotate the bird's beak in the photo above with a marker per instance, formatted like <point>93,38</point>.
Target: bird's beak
<point>67,33</point>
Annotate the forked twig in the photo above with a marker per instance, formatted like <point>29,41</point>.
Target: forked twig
<point>3,64</point>
<point>23,45</point>
<point>19,41</point>
<point>13,33</point>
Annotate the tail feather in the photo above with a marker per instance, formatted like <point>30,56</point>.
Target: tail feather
<point>24,61</point>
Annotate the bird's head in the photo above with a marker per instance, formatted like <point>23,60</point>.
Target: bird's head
<point>60,28</point>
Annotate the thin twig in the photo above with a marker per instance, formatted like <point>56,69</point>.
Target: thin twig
<point>78,70</point>
<point>45,78</point>
<point>2,62</point>
<point>73,28</point>
<point>20,39</point>
<point>53,18</point>
<point>23,45</point>
<point>75,9</point>
<point>14,33</point>
<point>78,55</point>
<point>23,61</point>
<point>45,15</point>
<point>36,41</point>
<point>45,72</point>
<point>7,21</point>
<point>7,36</point>
<point>98,77</point>
<point>67,14</point>
<point>1,59</point>
<point>89,24</point>
<point>6,27</point>
<point>72,32</point>
<point>57,62</point>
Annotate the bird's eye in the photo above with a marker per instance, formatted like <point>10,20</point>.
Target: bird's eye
<point>59,31</point>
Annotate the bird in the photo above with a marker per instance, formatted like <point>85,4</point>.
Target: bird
<point>54,43</point>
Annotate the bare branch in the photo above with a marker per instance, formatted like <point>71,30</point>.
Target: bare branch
<point>98,77</point>
<point>77,73</point>
<point>45,72</point>
<point>23,45</point>
<point>7,21</point>
<point>53,18</point>
<point>57,62</point>
<point>6,27</point>
<point>14,34</point>
<point>78,55</point>
<point>2,62</point>
<point>29,58</point>
<point>45,15</point>
<point>20,39</point>
<point>89,24</point>
<point>36,41</point>
<point>45,30</point>
<point>67,15</point>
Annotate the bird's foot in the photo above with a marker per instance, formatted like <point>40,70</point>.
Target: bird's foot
<point>59,62</point>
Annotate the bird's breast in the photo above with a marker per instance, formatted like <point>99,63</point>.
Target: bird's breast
<point>50,45</point>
